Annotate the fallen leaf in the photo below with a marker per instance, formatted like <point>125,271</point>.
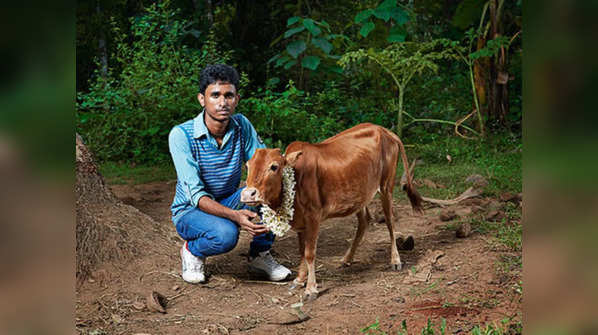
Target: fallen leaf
<point>117,318</point>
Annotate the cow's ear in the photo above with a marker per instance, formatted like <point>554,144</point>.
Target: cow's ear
<point>292,158</point>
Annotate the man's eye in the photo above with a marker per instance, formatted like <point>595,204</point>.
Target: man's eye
<point>273,167</point>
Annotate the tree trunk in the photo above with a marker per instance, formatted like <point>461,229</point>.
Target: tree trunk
<point>481,67</point>
<point>210,13</point>
<point>400,113</point>
<point>498,99</point>
<point>102,50</point>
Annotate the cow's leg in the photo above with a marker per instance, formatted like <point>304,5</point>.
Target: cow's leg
<point>361,227</point>
<point>302,273</point>
<point>395,259</point>
<point>311,240</point>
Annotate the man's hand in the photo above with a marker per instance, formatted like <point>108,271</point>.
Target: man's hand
<point>244,217</point>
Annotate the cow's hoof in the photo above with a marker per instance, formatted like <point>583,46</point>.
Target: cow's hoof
<point>295,284</point>
<point>396,267</point>
<point>309,297</point>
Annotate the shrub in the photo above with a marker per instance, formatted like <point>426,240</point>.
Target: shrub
<point>128,116</point>
<point>292,115</point>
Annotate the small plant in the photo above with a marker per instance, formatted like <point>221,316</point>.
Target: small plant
<point>429,329</point>
<point>402,61</point>
<point>373,329</point>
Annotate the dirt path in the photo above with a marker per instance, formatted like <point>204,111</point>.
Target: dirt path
<point>466,286</point>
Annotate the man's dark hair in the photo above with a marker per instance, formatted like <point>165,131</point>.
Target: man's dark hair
<point>217,72</point>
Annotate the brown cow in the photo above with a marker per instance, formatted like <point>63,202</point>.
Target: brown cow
<point>335,178</point>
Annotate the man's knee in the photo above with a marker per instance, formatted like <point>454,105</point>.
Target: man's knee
<point>227,237</point>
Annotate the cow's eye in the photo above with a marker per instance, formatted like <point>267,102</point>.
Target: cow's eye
<point>273,167</point>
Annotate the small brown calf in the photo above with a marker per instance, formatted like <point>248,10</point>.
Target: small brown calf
<point>335,178</point>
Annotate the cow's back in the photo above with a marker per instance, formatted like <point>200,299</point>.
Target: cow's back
<point>343,173</point>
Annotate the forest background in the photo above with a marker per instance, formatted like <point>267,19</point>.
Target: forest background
<point>446,75</point>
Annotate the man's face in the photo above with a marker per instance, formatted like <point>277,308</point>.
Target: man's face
<point>220,100</point>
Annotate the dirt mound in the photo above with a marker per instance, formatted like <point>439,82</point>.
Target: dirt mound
<point>107,229</point>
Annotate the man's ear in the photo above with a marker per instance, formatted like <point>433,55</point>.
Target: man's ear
<point>291,159</point>
<point>201,99</point>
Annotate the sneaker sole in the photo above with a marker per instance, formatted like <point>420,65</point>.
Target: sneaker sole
<point>264,274</point>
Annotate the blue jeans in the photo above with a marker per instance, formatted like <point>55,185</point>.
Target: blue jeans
<point>209,235</point>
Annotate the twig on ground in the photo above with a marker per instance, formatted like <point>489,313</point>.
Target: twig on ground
<point>264,282</point>
<point>180,294</point>
<point>163,272</point>
<point>260,298</point>
<point>222,327</point>
<point>356,304</point>
<point>469,193</point>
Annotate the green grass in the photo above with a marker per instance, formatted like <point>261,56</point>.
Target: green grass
<point>506,326</point>
<point>507,232</point>
<point>119,173</point>
<point>497,159</point>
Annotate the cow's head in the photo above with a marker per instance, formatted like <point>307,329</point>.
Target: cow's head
<point>264,177</point>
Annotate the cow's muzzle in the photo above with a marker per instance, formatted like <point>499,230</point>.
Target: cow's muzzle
<point>251,196</point>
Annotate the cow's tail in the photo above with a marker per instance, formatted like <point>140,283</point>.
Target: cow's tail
<point>414,197</point>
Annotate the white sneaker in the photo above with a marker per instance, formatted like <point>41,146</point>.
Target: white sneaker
<point>265,264</point>
<point>193,266</point>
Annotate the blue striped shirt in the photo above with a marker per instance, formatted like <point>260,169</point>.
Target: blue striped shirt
<point>203,168</point>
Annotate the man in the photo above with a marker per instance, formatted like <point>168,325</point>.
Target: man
<point>208,153</point>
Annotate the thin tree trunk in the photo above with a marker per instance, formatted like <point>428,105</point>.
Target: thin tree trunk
<point>498,96</point>
<point>103,52</point>
<point>210,11</point>
<point>480,74</point>
<point>400,113</point>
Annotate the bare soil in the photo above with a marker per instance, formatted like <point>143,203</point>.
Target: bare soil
<point>467,286</point>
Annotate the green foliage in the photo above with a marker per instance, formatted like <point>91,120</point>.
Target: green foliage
<point>308,43</point>
<point>491,48</point>
<point>468,12</point>
<point>293,114</point>
<point>387,12</point>
<point>373,329</point>
<point>128,115</point>
<point>505,327</point>
<point>469,56</point>
<point>155,55</point>
<point>402,61</point>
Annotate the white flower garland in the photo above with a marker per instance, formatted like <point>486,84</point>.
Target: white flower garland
<point>279,222</point>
